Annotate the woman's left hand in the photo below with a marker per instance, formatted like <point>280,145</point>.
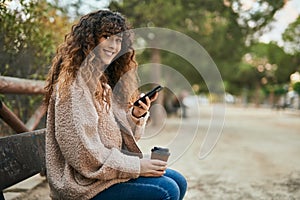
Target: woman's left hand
<point>139,111</point>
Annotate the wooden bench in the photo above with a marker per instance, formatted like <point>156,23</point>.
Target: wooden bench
<point>21,156</point>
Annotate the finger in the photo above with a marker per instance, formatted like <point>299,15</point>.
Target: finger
<point>143,106</point>
<point>159,167</point>
<point>153,174</point>
<point>157,173</point>
<point>148,102</point>
<point>154,97</point>
<point>159,162</point>
<point>162,168</point>
<point>139,106</point>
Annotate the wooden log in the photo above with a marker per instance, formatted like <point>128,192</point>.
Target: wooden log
<point>11,119</point>
<point>35,119</point>
<point>11,85</point>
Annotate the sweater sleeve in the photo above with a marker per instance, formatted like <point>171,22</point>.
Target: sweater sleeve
<point>77,134</point>
<point>137,124</point>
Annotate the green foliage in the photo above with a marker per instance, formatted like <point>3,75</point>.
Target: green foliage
<point>276,56</point>
<point>28,38</point>
<point>292,36</point>
<point>223,28</point>
<point>266,66</point>
<point>296,87</point>
<point>256,15</point>
<point>247,75</point>
<point>279,90</point>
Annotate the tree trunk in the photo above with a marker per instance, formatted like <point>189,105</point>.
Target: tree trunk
<point>257,95</point>
<point>156,114</point>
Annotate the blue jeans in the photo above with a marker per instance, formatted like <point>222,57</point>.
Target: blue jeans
<point>171,186</point>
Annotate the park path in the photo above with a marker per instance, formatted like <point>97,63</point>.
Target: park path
<point>256,157</point>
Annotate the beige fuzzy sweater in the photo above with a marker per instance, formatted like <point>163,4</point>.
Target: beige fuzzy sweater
<point>86,145</point>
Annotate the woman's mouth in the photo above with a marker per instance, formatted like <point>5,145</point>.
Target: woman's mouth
<point>108,53</point>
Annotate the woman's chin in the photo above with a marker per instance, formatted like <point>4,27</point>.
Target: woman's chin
<point>107,61</point>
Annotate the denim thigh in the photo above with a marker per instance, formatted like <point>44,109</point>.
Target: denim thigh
<point>179,179</point>
<point>171,186</point>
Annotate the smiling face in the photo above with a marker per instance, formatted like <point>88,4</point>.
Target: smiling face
<point>109,47</point>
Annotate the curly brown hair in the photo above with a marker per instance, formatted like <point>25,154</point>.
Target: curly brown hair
<point>76,52</point>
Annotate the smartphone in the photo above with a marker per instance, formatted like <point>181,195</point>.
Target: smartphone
<point>149,94</point>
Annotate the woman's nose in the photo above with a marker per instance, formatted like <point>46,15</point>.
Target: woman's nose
<point>112,43</point>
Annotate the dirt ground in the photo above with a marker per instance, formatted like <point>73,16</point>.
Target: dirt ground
<point>256,157</point>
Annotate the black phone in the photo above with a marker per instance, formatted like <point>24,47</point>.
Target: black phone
<point>149,94</point>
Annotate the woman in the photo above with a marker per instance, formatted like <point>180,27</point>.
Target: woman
<point>92,125</point>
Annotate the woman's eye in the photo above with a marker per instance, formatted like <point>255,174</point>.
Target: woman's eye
<point>106,36</point>
<point>119,40</point>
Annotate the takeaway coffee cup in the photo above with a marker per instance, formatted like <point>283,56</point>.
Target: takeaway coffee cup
<point>160,153</point>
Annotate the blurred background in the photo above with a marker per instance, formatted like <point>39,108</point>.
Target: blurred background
<point>254,43</point>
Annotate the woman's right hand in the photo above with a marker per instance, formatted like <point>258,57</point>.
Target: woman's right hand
<point>152,168</point>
